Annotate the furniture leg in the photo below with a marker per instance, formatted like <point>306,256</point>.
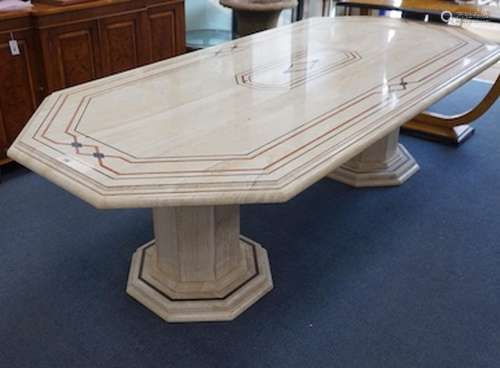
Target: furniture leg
<point>386,163</point>
<point>451,129</point>
<point>199,268</point>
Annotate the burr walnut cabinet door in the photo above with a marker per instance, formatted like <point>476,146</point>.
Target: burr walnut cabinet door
<point>19,86</point>
<point>167,30</point>
<point>122,43</point>
<point>71,55</point>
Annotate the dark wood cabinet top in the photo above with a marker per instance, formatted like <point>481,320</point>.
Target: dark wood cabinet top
<point>95,8</point>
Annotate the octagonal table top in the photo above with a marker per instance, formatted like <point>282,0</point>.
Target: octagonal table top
<point>255,120</point>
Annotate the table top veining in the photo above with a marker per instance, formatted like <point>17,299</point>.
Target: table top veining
<point>253,120</point>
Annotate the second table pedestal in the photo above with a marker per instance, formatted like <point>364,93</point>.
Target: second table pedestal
<point>385,163</point>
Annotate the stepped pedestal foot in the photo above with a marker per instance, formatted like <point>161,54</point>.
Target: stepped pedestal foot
<point>442,134</point>
<point>199,268</point>
<point>386,163</point>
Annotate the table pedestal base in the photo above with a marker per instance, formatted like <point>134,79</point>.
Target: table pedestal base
<point>386,163</point>
<point>442,134</point>
<point>199,268</point>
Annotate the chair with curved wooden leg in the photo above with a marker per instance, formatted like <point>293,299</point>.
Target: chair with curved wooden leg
<point>452,129</point>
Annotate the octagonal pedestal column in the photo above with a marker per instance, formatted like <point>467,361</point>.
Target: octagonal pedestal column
<point>386,163</point>
<point>257,15</point>
<point>199,268</point>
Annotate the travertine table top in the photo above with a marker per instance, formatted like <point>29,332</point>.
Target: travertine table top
<point>254,120</point>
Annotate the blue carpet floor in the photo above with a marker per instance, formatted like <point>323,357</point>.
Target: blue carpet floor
<point>396,277</point>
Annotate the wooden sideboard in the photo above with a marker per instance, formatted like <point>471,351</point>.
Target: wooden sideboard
<point>62,46</point>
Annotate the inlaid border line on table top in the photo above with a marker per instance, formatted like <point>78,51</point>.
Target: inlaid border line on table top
<point>164,185</point>
<point>197,191</point>
<point>245,78</point>
<point>246,155</point>
<point>155,75</point>
<point>99,157</point>
<point>268,143</point>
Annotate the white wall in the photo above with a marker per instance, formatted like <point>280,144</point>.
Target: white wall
<point>207,14</point>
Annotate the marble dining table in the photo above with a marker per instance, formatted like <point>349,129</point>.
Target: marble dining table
<point>255,120</point>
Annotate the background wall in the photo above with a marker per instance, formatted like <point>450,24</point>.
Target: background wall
<point>207,14</point>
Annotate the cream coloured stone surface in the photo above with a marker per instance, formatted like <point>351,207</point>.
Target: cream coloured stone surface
<point>490,31</point>
<point>254,120</point>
